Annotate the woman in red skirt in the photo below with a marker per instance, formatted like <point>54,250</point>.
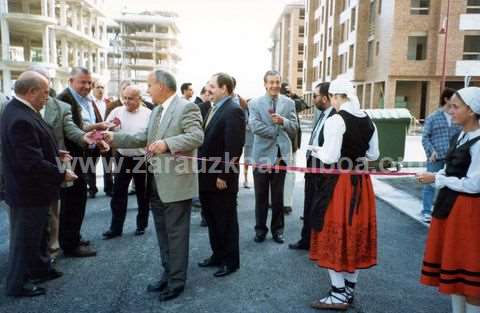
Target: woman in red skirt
<point>452,253</point>
<point>344,231</point>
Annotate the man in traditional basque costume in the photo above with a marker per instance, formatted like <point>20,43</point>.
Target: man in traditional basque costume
<point>452,253</point>
<point>344,231</point>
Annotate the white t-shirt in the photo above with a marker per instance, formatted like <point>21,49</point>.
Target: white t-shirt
<point>131,123</point>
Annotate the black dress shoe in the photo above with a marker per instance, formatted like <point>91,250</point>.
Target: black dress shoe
<point>169,294</point>
<point>259,238</point>
<point>46,276</point>
<point>92,194</point>
<point>110,234</point>
<point>287,210</point>
<point>139,232</point>
<point>278,238</point>
<point>224,271</point>
<point>159,286</point>
<point>84,243</point>
<point>210,262</point>
<point>298,246</point>
<point>203,223</point>
<point>31,291</point>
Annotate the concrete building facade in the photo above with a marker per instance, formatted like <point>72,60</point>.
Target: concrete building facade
<point>393,50</point>
<point>140,43</point>
<point>288,45</point>
<point>57,34</point>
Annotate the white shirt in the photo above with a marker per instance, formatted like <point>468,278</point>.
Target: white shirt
<point>165,106</point>
<point>333,132</point>
<point>131,123</point>
<point>319,125</point>
<point>101,106</point>
<point>470,183</point>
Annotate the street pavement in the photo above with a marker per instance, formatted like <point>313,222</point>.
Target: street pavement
<point>272,278</point>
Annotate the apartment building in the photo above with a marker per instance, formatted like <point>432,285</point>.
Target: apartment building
<point>140,43</point>
<point>393,50</point>
<point>288,45</point>
<point>57,34</point>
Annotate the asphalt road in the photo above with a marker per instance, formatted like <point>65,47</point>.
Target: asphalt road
<point>272,278</point>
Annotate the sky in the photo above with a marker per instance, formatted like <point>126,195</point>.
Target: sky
<point>231,36</point>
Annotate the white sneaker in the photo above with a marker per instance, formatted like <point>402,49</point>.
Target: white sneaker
<point>426,218</point>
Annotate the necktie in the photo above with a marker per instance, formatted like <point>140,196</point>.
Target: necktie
<point>156,125</point>
<point>211,114</point>
<point>274,105</point>
<point>315,131</point>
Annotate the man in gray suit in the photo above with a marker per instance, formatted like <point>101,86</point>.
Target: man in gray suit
<point>274,123</point>
<point>175,127</point>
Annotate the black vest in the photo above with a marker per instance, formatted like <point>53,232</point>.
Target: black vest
<point>457,162</point>
<point>355,144</point>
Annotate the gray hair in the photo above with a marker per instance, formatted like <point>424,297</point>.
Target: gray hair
<point>29,80</point>
<point>271,73</point>
<point>135,88</point>
<point>79,70</point>
<point>166,78</point>
<point>40,70</point>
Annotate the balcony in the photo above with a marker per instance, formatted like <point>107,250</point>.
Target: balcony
<point>469,22</point>
<point>468,68</point>
<point>30,21</point>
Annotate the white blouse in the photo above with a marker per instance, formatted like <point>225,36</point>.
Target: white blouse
<point>470,183</point>
<point>333,132</point>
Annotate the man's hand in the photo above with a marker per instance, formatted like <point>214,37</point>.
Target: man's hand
<point>277,119</point>
<point>108,137</point>
<point>221,184</point>
<point>64,156</point>
<point>70,176</point>
<point>88,138</point>
<point>103,146</point>
<point>433,157</point>
<point>102,126</point>
<point>158,147</point>
<point>425,178</point>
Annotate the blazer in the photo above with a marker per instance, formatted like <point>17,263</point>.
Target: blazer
<point>268,137</point>
<point>224,140</point>
<point>32,177</point>
<point>204,107</point>
<point>181,128</point>
<point>3,104</point>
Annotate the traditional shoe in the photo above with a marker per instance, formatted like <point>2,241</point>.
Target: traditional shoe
<point>299,245</point>
<point>349,289</point>
<point>337,299</point>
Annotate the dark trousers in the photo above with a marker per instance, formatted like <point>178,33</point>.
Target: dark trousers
<point>129,168</point>
<point>264,182</point>
<point>107,174</point>
<point>307,209</point>
<point>220,211</point>
<point>28,226</point>
<point>72,212</point>
<point>172,224</point>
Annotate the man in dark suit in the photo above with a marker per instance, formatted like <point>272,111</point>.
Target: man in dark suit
<point>74,198</point>
<point>32,183</point>
<point>218,183</point>
<point>322,103</point>
<point>203,103</point>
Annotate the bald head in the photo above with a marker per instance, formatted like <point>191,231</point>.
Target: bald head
<point>32,87</point>
<point>131,98</point>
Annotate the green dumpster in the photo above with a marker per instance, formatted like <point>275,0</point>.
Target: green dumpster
<point>392,126</point>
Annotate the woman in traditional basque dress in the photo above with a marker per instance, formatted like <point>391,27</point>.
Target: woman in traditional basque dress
<point>344,231</point>
<point>452,254</point>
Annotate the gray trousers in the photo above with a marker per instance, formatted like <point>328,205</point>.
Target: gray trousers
<point>28,226</point>
<point>172,223</point>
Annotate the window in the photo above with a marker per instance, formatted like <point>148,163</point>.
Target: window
<point>331,7</point>
<point>473,6</point>
<point>417,48</point>
<point>315,50</point>
<point>342,32</point>
<point>377,48</point>
<point>321,42</point>
<point>350,56</point>
<point>302,14</point>
<point>471,48</point>
<point>299,66</point>
<point>419,7</point>
<point>301,30</point>
<point>320,70</point>
<point>299,83</point>
<point>323,15</point>
<point>329,36</point>
<point>329,64</point>
<point>370,53</point>
<point>353,19</point>
<point>379,7</point>
<point>300,48</point>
